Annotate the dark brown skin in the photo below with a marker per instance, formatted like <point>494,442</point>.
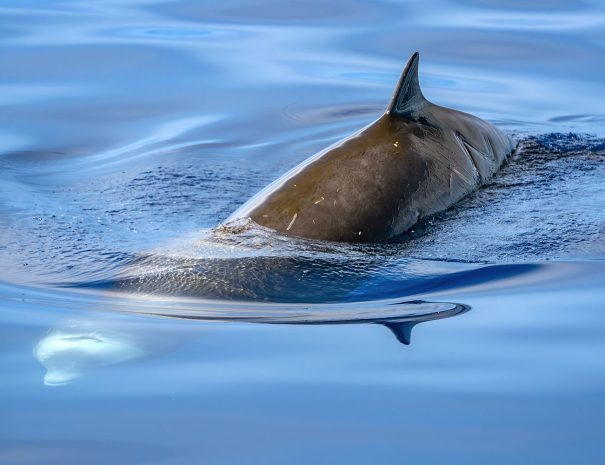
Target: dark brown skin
<point>414,161</point>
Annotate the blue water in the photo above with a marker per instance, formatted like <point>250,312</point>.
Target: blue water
<point>133,332</point>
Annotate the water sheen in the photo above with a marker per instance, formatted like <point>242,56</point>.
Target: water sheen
<point>132,331</point>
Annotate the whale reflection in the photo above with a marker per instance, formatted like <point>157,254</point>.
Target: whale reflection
<point>75,348</point>
<point>240,273</point>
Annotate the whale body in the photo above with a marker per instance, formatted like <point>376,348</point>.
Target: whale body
<point>416,160</point>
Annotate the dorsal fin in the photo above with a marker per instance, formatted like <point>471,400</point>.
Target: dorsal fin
<point>408,100</point>
<point>401,330</point>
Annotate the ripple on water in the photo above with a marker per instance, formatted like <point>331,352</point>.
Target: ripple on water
<point>292,12</point>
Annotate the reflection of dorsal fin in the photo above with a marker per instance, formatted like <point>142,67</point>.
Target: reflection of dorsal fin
<point>408,101</point>
<point>402,331</point>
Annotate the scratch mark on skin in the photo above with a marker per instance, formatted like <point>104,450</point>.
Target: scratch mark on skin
<point>467,150</point>
<point>292,222</point>
<point>492,149</point>
<point>462,176</point>
<point>318,201</point>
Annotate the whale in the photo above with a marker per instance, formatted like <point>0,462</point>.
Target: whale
<point>417,159</point>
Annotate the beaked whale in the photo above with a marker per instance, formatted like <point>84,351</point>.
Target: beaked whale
<point>416,160</point>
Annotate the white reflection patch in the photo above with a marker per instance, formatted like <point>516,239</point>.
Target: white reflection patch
<point>78,347</point>
<point>67,355</point>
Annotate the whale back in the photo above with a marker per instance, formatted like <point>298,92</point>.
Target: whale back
<point>415,160</point>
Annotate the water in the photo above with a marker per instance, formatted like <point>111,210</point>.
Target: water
<point>132,332</point>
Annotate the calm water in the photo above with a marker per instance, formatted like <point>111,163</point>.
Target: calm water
<point>131,332</point>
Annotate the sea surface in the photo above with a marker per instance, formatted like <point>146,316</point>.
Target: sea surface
<point>133,331</point>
